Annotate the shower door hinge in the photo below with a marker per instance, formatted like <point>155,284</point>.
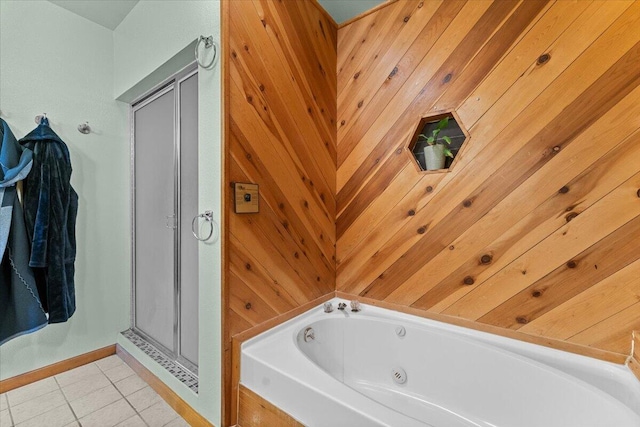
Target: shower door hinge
<point>172,222</point>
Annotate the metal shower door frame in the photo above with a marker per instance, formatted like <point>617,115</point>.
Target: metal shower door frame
<point>170,84</point>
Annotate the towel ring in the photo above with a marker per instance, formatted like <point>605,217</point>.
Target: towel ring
<point>208,43</point>
<point>207,216</point>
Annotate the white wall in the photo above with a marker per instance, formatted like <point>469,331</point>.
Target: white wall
<point>149,37</point>
<point>154,31</point>
<point>56,62</point>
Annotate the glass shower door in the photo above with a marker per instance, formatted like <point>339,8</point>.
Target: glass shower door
<point>188,249</point>
<point>155,218</point>
<point>165,264</point>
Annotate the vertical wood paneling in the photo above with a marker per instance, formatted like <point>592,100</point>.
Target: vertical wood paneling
<point>535,228</point>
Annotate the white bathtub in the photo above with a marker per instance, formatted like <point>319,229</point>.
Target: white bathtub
<point>455,377</point>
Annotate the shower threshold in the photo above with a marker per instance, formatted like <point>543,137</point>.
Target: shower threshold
<point>184,375</point>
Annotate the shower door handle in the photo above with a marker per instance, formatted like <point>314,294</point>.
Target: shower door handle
<point>171,222</point>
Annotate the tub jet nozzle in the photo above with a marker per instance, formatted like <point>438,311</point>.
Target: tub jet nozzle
<point>399,375</point>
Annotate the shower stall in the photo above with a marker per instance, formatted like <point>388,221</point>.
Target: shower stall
<point>164,158</point>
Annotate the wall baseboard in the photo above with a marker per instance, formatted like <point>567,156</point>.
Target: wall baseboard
<point>180,406</point>
<point>56,368</point>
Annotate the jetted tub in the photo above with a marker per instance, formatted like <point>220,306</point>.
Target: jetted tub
<point>378,367</point>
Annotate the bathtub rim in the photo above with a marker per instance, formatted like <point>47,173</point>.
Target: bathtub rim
<point>464,326</point>
<point>453,333</point>
<point>621,373</point>
<point>618,360</point>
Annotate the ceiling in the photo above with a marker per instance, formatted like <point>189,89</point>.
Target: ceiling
<point>343,10</point>
<point>110,13</point>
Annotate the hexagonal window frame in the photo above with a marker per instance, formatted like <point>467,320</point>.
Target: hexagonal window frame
<point>456,132</point>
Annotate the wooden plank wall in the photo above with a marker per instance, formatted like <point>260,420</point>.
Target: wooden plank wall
<point>547,191</point>
<point>256,411</point>
<point>280,110</point>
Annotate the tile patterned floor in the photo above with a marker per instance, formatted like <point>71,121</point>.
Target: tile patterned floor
<point>106,393</point>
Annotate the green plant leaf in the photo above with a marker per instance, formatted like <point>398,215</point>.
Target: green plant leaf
<point>431,140</point>
<point>447,152</point>
<point>443,123</point>
<point>447,139</point>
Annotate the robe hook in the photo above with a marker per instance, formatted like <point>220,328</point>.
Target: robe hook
<point>39,118</point>
<point>84,128</point>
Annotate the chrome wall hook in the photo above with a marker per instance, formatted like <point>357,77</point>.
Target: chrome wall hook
<point>84,128</point>
<point>40,117</point>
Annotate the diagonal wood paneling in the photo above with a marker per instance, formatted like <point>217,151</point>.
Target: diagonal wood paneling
<point>281,111</point>
<point>280,114</point>
<point>536,227</point>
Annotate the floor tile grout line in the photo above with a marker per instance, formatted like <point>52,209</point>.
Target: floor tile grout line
<point>95,392</point>
<point>170,421</point>
<point>112,383</point>
<point>134,409</point>
<point>34,416</point>
<point>127,400</point>
<point>125,397</point>
<point>6,396</point>
<point>67,400</point>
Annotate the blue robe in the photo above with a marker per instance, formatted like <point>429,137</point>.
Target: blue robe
<point>21,311</point>
<point>50,210</point>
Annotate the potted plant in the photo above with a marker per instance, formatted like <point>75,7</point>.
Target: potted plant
<point>436,148</point>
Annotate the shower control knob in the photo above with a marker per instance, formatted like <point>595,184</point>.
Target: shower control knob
<point>401,331</point>
<point>309,335</point>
